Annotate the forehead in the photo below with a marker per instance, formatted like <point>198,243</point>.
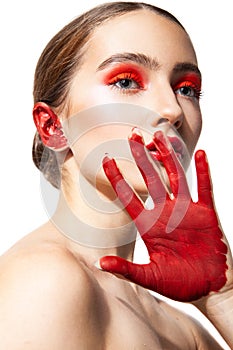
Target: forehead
<point>141,31</point>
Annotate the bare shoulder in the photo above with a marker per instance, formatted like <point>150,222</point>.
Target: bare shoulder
<point>41,263</point>
<point>46,299</point>
<point>192,327</point>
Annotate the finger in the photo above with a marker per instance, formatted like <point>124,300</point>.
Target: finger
<point>131,202</point>
<point>204,185</point>
<point>146,167</point>
<point>174,169</point>
<point>139,274</point>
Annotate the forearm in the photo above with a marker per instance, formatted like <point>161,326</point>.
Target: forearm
<point>218,308</point>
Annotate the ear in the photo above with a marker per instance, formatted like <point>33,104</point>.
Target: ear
<point>49,127</point>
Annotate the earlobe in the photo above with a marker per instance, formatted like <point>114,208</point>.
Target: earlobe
<point>49,127</point>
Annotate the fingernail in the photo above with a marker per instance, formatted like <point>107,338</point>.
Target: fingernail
<point>97,265</point>
<point>137,131</point>
<point>136,135</point>
<point>106,158</point>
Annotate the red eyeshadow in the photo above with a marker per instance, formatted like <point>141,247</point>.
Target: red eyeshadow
<point>119,70</point>
<point>190,78</point>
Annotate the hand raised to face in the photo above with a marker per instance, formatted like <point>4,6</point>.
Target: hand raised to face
<point>183,237</point>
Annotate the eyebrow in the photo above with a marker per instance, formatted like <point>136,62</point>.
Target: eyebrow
<point>139,58</point>
<point>148,62</point>
<point>187,67</point>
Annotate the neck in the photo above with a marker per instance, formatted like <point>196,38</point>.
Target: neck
<point>94,224</point>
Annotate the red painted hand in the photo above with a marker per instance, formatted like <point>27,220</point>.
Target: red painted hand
<point>183,238</point>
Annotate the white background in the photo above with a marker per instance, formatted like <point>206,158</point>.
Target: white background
<point>27,26</point>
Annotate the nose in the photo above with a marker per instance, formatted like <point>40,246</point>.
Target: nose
<point>166,106</point>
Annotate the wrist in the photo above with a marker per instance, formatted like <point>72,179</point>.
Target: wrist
<point>216,302</point>
<point>218,308</point>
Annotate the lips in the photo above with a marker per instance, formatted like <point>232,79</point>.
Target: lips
<point>176,143</point>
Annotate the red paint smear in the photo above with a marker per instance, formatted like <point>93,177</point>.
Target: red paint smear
<point>187,263</point>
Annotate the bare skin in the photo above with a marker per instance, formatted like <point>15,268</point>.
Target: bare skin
<point>60,301</point>
<point>52,296</point>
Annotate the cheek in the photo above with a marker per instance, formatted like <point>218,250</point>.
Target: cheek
<point>89,98</point>
<point>191,128</point>
<point>91,147</point>
<point>85,92</point>
<point>89,94</point>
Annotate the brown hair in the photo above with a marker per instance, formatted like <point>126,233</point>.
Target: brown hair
<point>58,62</point>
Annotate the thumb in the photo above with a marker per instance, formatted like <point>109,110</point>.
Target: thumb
<point>134,272</point>
<point>115,264</point>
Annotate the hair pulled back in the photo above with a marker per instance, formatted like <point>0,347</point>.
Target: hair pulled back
<point>59,61</point>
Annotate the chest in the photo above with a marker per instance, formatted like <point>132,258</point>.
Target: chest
<point>139,324</point>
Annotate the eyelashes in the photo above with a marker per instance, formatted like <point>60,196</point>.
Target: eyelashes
<point>189,89</point>
<point>127,80</point>
<point>127,83</point>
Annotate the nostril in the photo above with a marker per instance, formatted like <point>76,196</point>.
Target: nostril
<point>178,124</point>
<point>162,120</point>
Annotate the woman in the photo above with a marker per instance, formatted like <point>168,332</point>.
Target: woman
<point>133,62</point>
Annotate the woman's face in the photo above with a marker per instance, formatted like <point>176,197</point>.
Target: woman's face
<point>145,60</point>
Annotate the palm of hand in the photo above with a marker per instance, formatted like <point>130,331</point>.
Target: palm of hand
<point>188,261</point>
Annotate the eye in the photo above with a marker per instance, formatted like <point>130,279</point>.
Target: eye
<point>127,82</point>
<point>189,88</point>
<point>189,91</point>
